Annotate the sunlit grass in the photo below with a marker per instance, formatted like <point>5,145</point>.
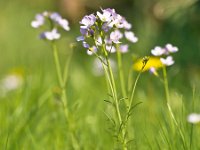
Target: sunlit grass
<point>31,117</point>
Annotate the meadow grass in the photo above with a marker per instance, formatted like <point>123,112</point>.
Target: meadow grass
<point>32,116</point>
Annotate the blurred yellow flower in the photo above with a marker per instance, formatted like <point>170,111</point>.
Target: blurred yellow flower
<point>154,62</point>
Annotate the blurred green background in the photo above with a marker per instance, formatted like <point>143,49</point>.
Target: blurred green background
<point>32,118</point>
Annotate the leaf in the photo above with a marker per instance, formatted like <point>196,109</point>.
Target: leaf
<point>109,102</point>
<point>134,106</point>
<point>123,98</point>
<point>110,118</point>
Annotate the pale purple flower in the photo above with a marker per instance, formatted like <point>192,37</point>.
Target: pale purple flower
<point>50,35</point>
<point>117,21</point>
<point>98,41</point>
<point>115,36</point>
<point>131,36</point>
<point>88,21</point>
<point>112,11</point>
<point>84,30</point>
<point>105,16</point>
<point>168,61</point>
<point>110,48</point>
<point>108,41</point>
<point>193,118</point>
<point>55,16</point>
<point>56,22</point>
<point>64,24</point>
<point>153,71</point>
<point>126,24</point>
<point>86,45</point>
<point>170,48</point>
<point>60,21</point>
<point>80,38</point>
<point>106,27</point>
<point>158,51</point>
<point>123,48</point>
<point>92,50</point>
<point>39,21</point>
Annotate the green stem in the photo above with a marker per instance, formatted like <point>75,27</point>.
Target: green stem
<point>121,74</point>
<point>114,94</point>
<point>63,95</point>
<point>133,91</point>
<point>192,126</point>
<point>134,87</point>
<point>169,107</point>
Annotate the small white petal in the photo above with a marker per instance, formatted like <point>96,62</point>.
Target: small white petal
<point>170,48</point>
<point>131,36</point>
<point>111,49</point>
<point>157,51</point>
<point>168,61</point>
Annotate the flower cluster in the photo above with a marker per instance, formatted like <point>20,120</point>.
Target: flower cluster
<point>165,51</point>
<point>55,22</point>
<point>108,28</point>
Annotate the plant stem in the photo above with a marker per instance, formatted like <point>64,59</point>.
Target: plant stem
<point>121,73</point>
<point>62,82</point>
<point>110,76</point>
<point>133,91</point>
<point>169,107</point>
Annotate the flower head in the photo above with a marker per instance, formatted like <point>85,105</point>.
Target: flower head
<point>124,48</point>
<point>167,61</point>
<point>88,21</point>
<point>164,53</point>
<point>106,28</point>
<point>56,22</point>
<point>50,35</point>
<point>153,62</point>
<point>39,21</point>
<point>170,48</point>
<point>131,36</point>
<point>115,36</point>
<point>157,51</point>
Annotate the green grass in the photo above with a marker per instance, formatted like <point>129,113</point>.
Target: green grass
<point>32,116</point>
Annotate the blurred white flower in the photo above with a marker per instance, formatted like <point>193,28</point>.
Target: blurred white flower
<point>170,48</point>
<point>193,118</point>
<point>115,36</point>
<point>53,20</point>
<point>131,36</point>
<point>110,48</point>
<point>50,35</point>
<point>157,51</point>
<point>92,50</point>
<point>168,61</point>
<point>9,83</point>
<point>123,48</point>
<point>39,21</point>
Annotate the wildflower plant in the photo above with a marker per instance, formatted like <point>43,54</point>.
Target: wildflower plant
<point>162,58</point>
<point>103,34</point>
<point>51,23</point>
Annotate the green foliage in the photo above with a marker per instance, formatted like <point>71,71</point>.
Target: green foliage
<point>31,117</point>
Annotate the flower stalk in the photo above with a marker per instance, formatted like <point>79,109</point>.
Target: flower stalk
<point>166,87</point>
<point>121,74</point>
<point>62,84</point>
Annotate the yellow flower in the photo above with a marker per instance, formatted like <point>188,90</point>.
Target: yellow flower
<point>152,62</point>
